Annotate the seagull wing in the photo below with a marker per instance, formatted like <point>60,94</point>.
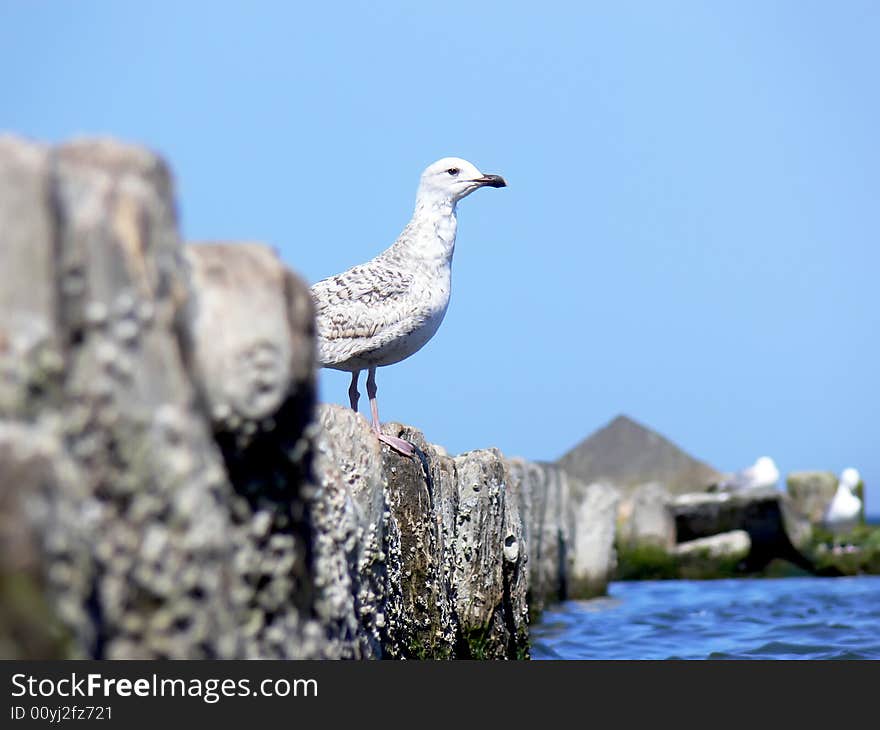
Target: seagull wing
<point>359,310</point>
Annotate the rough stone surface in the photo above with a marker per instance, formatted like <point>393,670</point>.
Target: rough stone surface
<point>547,550</point>
<point>811,492</point>
<point>478,575</point>
<point>591,516</point>
<point>774,528</point>
<point>35,477</point>
<point>30,351</point>
<point>169,488</point>
<point>154,550</point>
<point>352,514</point>
<point>646,518</point>
<point>250,335</point>
<point>568,532</point>
<point>734,544</point>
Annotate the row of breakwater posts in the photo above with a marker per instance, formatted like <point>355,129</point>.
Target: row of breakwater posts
<point>169,487</point>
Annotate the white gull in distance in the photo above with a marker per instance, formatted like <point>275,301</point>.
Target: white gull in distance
<point>382,311</point>
<point>844,509</point>
<point>763,473</point>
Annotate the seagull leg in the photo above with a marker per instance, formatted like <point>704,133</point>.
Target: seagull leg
<point>395,442</point>
<point>353,395</point>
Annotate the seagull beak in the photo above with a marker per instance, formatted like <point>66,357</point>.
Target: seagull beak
<point>493,181</point>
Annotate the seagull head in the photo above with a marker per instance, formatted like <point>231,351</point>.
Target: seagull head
<point>850,478</point>
<point>451,179</point>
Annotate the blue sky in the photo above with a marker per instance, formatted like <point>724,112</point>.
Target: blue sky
<point>691,232</point>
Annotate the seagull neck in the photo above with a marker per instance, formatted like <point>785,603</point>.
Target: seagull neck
<point>433,207</point>
<point>434,225</point>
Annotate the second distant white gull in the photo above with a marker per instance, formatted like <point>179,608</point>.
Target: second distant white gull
<point>763,473</point>
<point>384,310</point>
<point>842,513</point>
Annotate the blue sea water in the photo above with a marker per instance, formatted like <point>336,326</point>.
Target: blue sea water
<point>762,618</point>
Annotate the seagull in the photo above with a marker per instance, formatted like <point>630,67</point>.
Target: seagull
<point>381,312</point>
<point>763,473</point>
<point>842,513</point>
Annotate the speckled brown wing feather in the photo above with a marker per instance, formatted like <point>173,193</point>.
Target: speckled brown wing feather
<point>359,310</point>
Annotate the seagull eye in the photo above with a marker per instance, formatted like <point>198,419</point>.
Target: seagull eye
<point>453,171</point>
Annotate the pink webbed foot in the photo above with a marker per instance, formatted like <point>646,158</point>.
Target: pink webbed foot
<point>395,442</point>
<point>398,444</point>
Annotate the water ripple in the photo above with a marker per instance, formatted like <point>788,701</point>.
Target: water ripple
<point>788,618</point>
